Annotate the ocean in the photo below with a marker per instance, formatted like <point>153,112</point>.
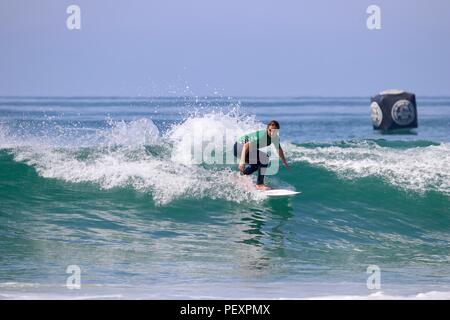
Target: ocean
<point>107,186</point>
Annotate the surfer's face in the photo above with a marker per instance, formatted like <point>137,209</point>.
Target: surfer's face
<point>272,130</point>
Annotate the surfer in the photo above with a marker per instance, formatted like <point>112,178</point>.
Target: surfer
<point>246,149</point>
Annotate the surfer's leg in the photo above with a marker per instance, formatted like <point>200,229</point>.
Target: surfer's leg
<point>250,169</point>
<point>263,162</point>
<point>256,161</point>
<point>260,179</point>
<point>252,161</point>
<point>236,149</point>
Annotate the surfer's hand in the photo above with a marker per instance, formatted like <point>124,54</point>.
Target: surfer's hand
<point>241,167</point>
<point>285,164</point>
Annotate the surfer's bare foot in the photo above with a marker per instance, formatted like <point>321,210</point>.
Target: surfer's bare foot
<point>262,187</point>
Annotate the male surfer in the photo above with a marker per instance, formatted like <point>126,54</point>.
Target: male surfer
<point>246,149</point>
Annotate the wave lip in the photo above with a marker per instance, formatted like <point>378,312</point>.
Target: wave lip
<point>420,169</point>
<point>134,154</point>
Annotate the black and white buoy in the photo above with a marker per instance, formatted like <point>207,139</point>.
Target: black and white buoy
<point>394,109</point>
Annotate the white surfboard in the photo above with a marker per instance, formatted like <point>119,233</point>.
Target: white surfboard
<point>280,193</point>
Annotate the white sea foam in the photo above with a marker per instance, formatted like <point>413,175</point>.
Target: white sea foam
<point>420,168</point>
<point>214,131</point>
<point>244,290</point>
<point>380,295</point>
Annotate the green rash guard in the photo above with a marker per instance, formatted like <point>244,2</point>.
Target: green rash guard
<point>260,137</point>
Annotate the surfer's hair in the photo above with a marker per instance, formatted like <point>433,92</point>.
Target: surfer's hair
<point>273,123</point>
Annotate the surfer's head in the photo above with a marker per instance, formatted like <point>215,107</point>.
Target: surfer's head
<point>272,127</point>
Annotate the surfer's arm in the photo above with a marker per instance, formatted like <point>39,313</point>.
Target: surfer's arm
<point>243,154</point>
<point>282,157</point>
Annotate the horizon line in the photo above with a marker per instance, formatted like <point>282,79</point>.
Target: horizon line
<point>201,96</point>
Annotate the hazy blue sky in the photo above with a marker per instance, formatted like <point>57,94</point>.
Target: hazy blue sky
<point>227,47</point>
